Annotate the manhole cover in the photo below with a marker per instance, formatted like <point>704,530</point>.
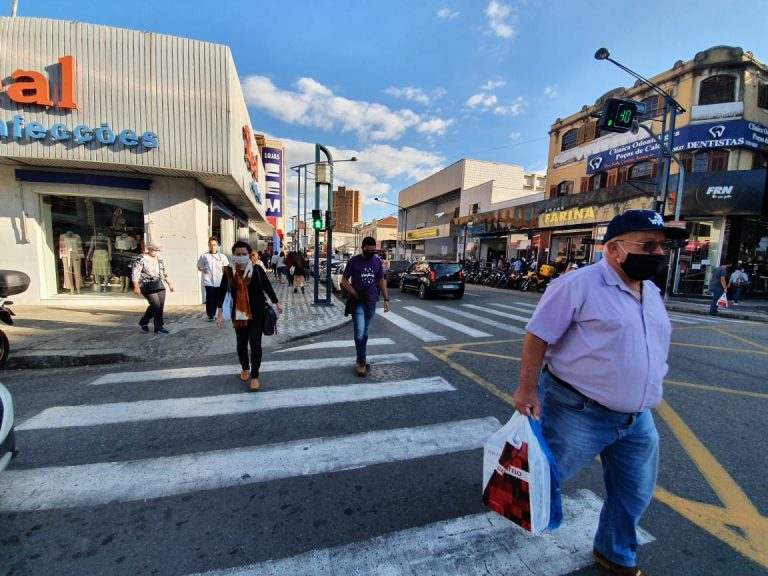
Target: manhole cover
<point>387,372</point>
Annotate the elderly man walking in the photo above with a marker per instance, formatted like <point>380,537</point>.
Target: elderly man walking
<point>592,368</point>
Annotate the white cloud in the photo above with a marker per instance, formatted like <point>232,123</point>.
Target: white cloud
<point>434,126</point>
<point>447,14</point>
<point>313,104</point>
<point>483,101</point>
<point>514,135</point>
<point>499,16</point>
<point>493,84</point>
<point>409,93</point>
<point>551,91</point>
<point>510,109</point>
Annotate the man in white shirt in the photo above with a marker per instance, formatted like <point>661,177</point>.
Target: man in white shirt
<point>211,264</point>
<point>737,284</point>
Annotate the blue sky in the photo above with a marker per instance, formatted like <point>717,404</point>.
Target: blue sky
<point>412,86</point>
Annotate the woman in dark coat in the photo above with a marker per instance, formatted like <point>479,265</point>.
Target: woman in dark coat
<point>247,285</point>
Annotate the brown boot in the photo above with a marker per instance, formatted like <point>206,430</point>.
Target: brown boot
<point>244,375</point>
<point>361,371</point>
<point>255,385</point>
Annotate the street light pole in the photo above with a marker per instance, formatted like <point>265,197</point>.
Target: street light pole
<point>672,108</point>
<point>405,221</point>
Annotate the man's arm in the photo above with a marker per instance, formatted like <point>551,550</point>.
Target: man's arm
<point>348,287</point>
<point>722,281</point>
<point>526,396</point>
<point>384,292</point>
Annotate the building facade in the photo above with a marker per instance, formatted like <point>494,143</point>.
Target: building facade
<point>384,231</point>
<point>455,213</point>
<point>349,209</point>
<point>722,142</point>
<point>111,138</point>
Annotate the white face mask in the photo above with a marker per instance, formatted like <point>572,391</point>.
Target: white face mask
<point>242,260</point>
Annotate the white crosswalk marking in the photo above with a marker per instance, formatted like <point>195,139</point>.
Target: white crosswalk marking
<point>413,329</point>
<point>474,545</point>
<point>483,320</point>
<point>226,404</point>
<point>349,343</point>
<point>682,320</point>
<point>449,323</point>
<point>508,307</point>
<point>271,366</point>
<point>497,313</point>
<point>102,483</point>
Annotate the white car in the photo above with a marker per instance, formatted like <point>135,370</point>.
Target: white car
<point>336,274</point>
<point>7,440</point>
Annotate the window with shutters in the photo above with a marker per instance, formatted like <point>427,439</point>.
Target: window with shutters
<point>475,209</point>
<point>718,160</point>
<point>641,170</point>
<point>759,160</point>
<point>565,188</point>
<point>598,181</point>
<point>570,139</point>
<point>717,89</point>
<point>700,162</point>
<point>687,160</point>
<point>590,131</point>
<point>762,95</point>
<point>612,177</point>
<point>654,105</point>
<point>621,177</point>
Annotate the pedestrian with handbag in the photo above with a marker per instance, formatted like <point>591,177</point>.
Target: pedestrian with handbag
<point>149,280</point>
<point>247,284</point>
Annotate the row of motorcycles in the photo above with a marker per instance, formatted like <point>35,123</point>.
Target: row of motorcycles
<point>533,279</point>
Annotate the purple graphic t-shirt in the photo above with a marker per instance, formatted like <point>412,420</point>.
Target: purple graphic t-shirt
<point>364,276</point>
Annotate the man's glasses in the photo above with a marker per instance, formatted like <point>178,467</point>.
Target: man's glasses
<point>650,247</point>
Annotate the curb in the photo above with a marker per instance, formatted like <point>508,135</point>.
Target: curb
<point>45,359</point>
<point>724,314</point>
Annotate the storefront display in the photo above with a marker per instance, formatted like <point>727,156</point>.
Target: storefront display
<point>98,239</point>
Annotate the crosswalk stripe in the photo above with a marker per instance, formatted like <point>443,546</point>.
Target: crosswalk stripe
<point>106,482</point>
<point>228,404</point>
<point>518,308</point>
<point>497,313</point>
<point>349,343</point>
<point>675,318</point>
<point>271,366</point>
<point>449,323</point>
<point>526,305</point>
<point>483,320</point>
<point>474,545</point>
<point>413,329</point>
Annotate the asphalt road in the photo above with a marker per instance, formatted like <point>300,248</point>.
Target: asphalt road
<point>127,470</point>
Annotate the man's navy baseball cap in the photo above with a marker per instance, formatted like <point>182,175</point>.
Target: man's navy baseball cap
<point>642,221</point>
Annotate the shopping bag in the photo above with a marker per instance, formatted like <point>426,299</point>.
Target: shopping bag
<point>722,302</point>
<point>520,477</point>
<point>226,308</point>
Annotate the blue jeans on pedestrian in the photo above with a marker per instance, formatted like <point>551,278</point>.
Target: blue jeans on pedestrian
<point>361,320</point>
<point>577,429</point>
<point>716,293</point>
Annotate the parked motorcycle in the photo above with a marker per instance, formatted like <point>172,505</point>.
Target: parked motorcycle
<point>7,438</point>
<point>11,282</point>
<point>538,280</point>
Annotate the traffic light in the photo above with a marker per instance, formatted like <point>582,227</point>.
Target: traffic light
<point>317,220</point>
<point>618,115</point>
<point>330,219</point>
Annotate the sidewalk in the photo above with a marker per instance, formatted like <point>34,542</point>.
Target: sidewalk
<point>756,310</point>
<point>55,337</point>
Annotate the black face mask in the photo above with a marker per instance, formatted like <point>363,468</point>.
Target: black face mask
<point>642,266</point>
<point>368,254</point>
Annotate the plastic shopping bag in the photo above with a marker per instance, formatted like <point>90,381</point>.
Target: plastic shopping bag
<point>226,308</point>
<point>722,302</point>
<point>520,477</point>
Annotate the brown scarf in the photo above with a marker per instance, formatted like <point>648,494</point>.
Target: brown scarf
<point>240,281</point>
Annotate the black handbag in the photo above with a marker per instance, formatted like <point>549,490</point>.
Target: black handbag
<point>152,286</point>
<point>270,320</point>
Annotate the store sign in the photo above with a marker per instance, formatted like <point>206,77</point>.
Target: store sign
<point>570,216</point>
<point>32,88</point>
<point>423,233</point>
<point>251,160</point>
<point>739,192</point>
<point>273,173</point>
<point>736,133</point>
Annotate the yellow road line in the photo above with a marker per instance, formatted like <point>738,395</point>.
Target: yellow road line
<point>742,339</point>
<point>719,348</point>
<point>716,389</point>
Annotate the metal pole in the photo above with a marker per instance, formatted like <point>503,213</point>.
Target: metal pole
<point>660,165</point>
<point>405,234</point>
<point>305,205</point>
<point>298,207</point>
<point>329,232</point>
<point>316,255</point>
<point>14,8</point>
<point>668,162</point>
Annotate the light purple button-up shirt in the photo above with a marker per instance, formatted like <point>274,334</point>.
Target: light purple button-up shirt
<point>602,340</point>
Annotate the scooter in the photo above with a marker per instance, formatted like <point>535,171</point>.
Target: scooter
<point>7,438</point>
<point>11,282</point>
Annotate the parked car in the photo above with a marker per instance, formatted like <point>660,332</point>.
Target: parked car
<point>334,266</point>
<point>433,277</point>
<point>336,274</point>
<point>395,269</point>
<point>7,438</point>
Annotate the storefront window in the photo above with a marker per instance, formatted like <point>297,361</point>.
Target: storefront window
<point>753,253</point>
<point>95,241</point>
<point>698,257</point>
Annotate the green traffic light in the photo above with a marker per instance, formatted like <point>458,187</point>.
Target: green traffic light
<point>317,224</point>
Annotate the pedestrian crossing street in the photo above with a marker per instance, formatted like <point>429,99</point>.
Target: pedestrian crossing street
<point>468,544</point>
<point>449,321</point>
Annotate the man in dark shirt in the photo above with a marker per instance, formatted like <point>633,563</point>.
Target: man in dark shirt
<point>718,285</point>
<point>361,276</point>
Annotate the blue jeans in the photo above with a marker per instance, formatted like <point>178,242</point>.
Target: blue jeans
<point>716,293</point>
<point>361,320</point>
<point>578,429</point>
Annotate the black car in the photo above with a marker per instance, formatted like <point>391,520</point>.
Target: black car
<point>395,269</point>
<point>433,277</point>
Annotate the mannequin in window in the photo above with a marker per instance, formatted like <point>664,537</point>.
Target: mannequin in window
<point>71,255</point>
<point>100,253</point>
<point>122,261</point>
<point>118,220</point>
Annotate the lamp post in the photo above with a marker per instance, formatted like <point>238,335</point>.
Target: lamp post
<point>671,108</point>
<point>405,221</point>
